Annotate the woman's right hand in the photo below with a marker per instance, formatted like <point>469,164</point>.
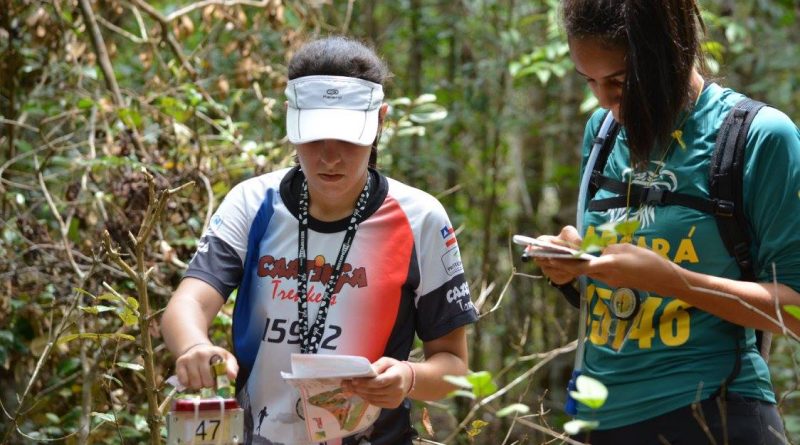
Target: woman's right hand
<point>193,367</point>
<point>560,271</point>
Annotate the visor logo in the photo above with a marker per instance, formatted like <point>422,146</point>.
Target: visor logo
<point>332,96</point>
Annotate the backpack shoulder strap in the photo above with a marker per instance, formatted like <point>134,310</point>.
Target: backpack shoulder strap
<point>606,141</point>
<point>725,183</point>
<point>725,186</point>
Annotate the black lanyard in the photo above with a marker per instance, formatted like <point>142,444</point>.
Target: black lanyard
<point>311,338</point>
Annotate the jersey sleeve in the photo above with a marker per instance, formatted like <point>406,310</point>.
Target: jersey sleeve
<point>772,196</point>
<point>442,298</point>
<point>221,250</point>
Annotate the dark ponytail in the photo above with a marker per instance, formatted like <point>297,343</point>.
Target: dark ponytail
<point>661,39</point>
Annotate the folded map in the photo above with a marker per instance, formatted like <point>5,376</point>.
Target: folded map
<point>329,411</point>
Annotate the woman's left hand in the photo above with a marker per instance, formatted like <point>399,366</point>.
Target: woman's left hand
<point>627,265</point>
<point>386,390</point>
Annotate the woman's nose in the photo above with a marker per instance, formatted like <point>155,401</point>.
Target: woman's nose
<point>329,152</point>
<point>608,97</point>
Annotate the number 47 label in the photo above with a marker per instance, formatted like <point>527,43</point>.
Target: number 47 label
<point>210,427</point>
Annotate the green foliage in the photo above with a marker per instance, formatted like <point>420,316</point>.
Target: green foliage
<point>477,384</point>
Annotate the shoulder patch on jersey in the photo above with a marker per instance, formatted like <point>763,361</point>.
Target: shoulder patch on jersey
<point>451,261</point>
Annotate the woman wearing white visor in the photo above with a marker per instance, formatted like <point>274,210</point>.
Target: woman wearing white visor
<point>329,257</point>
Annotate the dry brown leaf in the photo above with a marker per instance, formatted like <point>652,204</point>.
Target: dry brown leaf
<point>426,422</point>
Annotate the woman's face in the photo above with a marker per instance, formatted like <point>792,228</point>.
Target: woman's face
<point>603,67</point>
<point>335,170</point>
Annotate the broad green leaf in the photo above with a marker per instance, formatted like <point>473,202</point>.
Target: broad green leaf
<point>68,366</point>
<point>482,384</point>
<point>52,418</point>
<point>591,392</point>
<point>592,243</point>
<point>129,317</point>
<point>174,108</point>
<point>132,303</point>
<point>130,117</point>
<point>792,310</point>
<point>627,228</point>
<point>94,336</point>
<point>516,408</point>
<point>576,426</point>
<point>85,102</point>
<point>131,366</point>
<point>108,296</point>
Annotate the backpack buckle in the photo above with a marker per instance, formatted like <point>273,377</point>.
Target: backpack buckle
<point>723,208</point>
<point>652,195</point>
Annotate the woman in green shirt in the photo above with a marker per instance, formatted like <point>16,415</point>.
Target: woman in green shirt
<point>683,347</point>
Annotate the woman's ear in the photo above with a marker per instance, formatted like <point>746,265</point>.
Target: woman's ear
<point>285,105</point>
<point>382,113</point>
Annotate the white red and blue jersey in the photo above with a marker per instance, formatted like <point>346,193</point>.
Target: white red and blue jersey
<point>403,276</point>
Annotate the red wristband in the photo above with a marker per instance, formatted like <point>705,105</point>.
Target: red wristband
<point>413,377</point>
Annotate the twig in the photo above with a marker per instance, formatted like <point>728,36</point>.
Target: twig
<point>521,378</point>
<point>140,275</point>
<point>127,34</point>
<point>560,436</point>
<point>348,16</point>
<point>105,65</point>
<point>199,5</point>
<point>57,215</point>
<point>210,195</point>
<point>18,124</point>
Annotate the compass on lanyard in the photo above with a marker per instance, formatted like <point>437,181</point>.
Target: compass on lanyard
<point>625,303</point>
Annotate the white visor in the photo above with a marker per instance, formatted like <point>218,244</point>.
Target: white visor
<point>333,107</point>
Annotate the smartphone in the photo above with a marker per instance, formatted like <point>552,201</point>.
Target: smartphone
<point>545,249</point>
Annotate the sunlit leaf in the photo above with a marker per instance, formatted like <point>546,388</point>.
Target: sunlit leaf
<point>96,309</point>
<point>425,99</point>
<point>792,310</point>
<point>128,316</point>
<point>131,366</point>
<point>516,408</point>
<point>476,427</point>
<point>106,417</point>
<point>592,243</point>
<point>591,392</point>
<point>627,228</point>
<point>576,426</point>
<point>482,383</point>
<point>400,102</point>
<point>94,337</point>
<point>113,379</point>
<point>130,117</point>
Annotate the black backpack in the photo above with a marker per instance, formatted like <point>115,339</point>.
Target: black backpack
<point>724,201</point>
